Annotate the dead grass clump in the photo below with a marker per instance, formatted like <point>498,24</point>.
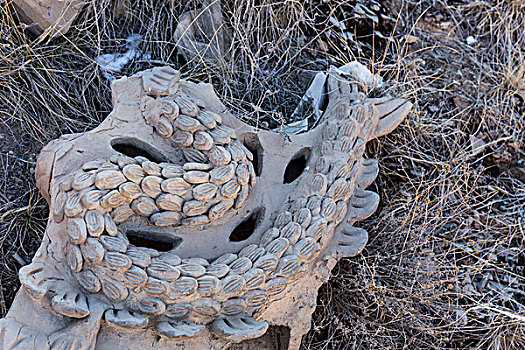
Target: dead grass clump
<point>444,267</point>
<point>445,264</point>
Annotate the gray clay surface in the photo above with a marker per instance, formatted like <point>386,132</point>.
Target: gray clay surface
<point>175,225</point>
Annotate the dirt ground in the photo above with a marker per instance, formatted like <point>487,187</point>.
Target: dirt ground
<point>445,264</point>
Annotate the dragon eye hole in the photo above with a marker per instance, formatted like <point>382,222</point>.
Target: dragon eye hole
<point>247,227</point>
<point>253,144</point>
<point>296,166</point>
<point>133,147</point>
<point>142,238</point>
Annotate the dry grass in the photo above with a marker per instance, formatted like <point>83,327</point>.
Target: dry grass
<point>445,264</point>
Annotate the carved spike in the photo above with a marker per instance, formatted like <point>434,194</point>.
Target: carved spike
<point>362,204</point>
<point>186,106</point>
<point>76,229</point>
<point>179,330</point>
<point>194,208</point>
<point>134,172</point>
<point>288,266</point>
<point>223,174</point>
<point>206,307</point>
<point>238,329</point>
<point>151,168</point>
<point>196,221</point>
<point>121,214</point>
<point>218,270</point>
<point>71,304</point>
<point>92,250</point>
<point>89,281</point>
<point>91,199</point>
<point>151,306</point>
<point>192,155</point>
<point>175,185</point>
<point>164,127</point>
<point>256,298</point>
<point>351,241</point>
<point>139,257</point>
<point>198,261</point>
<point>207,119</point>
<point>94,222</point>
<point>232,284</point>
<point>241,265</point>
<point>182,138</point>
<point>35,279</point>
<point>74,257</point>
<point>220,209</point>
<point>170,202</point>
<point>113,244</point>
<point>73,205</point>
<point>282,219</point>
<point>134,277</point>
<point>254,278</point>
<point>267,263</point>
<point>150,185</point>
<point>184,285</point>
<point>368,173</point>
<point>202,141</point>
<point>306,248</point>
<point>219,156</point>
<point>163,270</point>
<point>242,196</point>
<point>192,270</point>
<point>233,306</point>
<point>278,246</point>
<point>390,113</point>
<point>58,209</point>
<point>113,290</point>
<point>208,284</point>
<point>117,261</point>
<point>178,310</point>
<point>196,177</point>
<point>155,287</point>
<point>166,218</point>
<point>144,206</point>
<point>109,224</point>
<point>292,232</point>
<point>219,136</point>
<point>171,170</point>
<point>125,319</point>
<point>227,258</point>
<point>275,287</point>
<point>109,179</point>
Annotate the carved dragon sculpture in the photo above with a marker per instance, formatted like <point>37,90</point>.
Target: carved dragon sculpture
<point>171,166</point>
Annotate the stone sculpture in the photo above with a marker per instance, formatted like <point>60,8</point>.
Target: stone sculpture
<point>54,16</point>
<point>175,225</point>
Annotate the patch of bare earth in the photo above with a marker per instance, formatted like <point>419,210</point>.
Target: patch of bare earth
<point>444,267</point>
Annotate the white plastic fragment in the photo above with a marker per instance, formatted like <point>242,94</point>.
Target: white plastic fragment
<point>471,40</point>
<point>362,74</point>
<point>114,62</point>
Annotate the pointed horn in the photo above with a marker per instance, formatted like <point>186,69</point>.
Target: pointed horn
<point>391,113</point>
<point>351,242</point>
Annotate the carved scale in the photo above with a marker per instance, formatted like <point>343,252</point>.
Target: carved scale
<point>206,173</point>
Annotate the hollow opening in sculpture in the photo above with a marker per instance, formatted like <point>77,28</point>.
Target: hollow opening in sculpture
<point>247,227</point>
<point>253,144</point>
<point>133,147</point>
<point>145,239</point>
<point>296,166</point>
